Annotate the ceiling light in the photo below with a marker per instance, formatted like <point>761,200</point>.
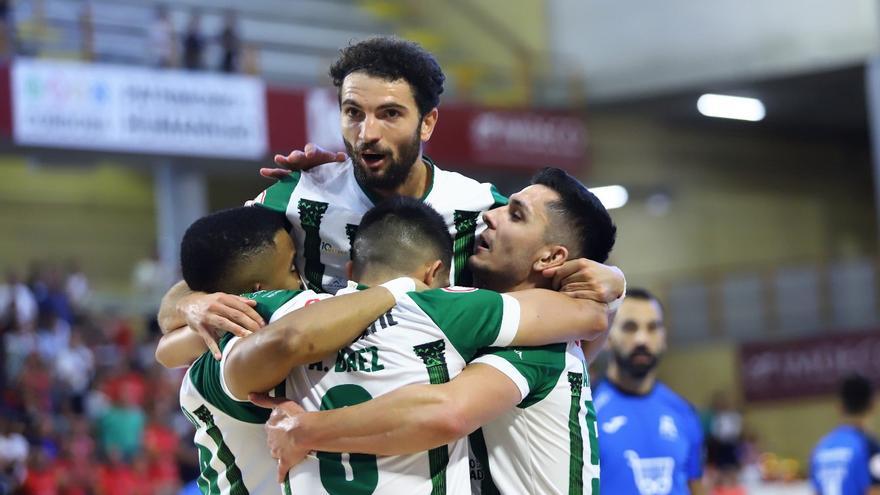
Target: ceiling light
<point>731,107</point>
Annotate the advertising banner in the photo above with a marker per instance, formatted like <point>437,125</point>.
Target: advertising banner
<point>139,110</point>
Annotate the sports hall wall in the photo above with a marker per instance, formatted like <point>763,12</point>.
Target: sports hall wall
<point>737,202</point>
<point>100,214</point>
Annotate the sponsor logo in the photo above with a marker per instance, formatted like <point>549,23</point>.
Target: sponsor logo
<point>653,475</point>
<point>614,424</point>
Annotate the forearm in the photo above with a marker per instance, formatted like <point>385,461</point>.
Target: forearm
<point>169,317</point>
<point>262,360</point>
<point>412,419</point>
<point>548,317</point>
<point>180,348</point>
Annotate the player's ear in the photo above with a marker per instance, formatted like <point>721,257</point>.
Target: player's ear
<point>435,274</point>
<point>550,256</point>
<point>426,128</point>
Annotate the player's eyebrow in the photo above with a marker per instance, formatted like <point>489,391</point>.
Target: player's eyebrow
<point>520,205</point>
<point>349,102</point>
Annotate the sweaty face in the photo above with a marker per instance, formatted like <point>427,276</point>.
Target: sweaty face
<point>381,127</point>
<point>514,239</point>
<point>277,271</point>
<point>638,337</point>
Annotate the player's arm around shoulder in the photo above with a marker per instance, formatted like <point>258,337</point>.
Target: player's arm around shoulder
<point>319,325</point>
<point>411,419</point>
<point>549,317</point>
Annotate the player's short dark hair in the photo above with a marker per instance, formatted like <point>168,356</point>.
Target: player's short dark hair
<point>214,245</point>
<point>578,218</point>
<point>393,59</point>
<point>643,294</point>
<point>401,233</point>
<point>856,394</point>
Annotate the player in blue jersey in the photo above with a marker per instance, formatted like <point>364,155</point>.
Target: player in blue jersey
<point>847,460</point>
<point>650,440</point>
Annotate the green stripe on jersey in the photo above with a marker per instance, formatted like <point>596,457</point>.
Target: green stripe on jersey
<point>481,464</point>
<point>277,196</point>
<point>311,214</point>
<point>463,244</point>
<point>434,356</point>
<point>223,454</point>
<point>576,463</point>
<point>470,318</point>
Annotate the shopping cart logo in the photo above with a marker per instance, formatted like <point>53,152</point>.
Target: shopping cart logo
<point>653,475</point>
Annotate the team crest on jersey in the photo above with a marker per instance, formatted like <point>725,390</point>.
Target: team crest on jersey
<point>457,289</point>
<point>668,430</point>
<point>653,475</point>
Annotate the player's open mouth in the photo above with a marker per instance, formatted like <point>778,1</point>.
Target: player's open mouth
<point>483,244</point>
<point>373,160</point>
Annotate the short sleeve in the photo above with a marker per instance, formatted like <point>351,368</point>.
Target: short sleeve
<point>471,319</point>
<point>277,196</point>
<point>534,370</point>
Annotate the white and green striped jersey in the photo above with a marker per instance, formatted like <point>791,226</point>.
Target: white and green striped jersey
<point>233,456</point>
<point>428,337</point>
<point>548,444</point>
<point>325,206</point>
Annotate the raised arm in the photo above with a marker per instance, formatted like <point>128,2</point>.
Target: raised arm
<point>209,315</point>
<point>261,360</point>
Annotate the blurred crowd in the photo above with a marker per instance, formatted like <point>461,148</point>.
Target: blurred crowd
<point>33,34</point>
<point>84,407</point>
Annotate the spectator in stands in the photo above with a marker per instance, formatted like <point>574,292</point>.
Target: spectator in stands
<point>76,285</point>
<point>18,306</point>
<point>230,43</point>
<point>122,426</point>
<point>75,367</point>
<point>42,474</point>
<point>193,43</point>
<point>163,47</point>
<point>53,334</point>
<point>13,453</point>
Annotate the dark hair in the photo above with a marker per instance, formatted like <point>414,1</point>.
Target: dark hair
<point>214,245</point>
<point>391,59</point>
<point>400,233</point>
<point>582,222</point>
<point>856,393</point>
<point>643,295</point>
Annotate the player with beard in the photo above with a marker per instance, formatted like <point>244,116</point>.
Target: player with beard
<point>389,91</point>
<point>651,439</point>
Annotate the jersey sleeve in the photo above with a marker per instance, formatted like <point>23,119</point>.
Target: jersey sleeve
<point>206,375</point>
<point>277,196</point>
<point>694,467</point>
<point>471,319</point>
<point>270,301</point>
<point>534,370</point>
<point>873,451</point>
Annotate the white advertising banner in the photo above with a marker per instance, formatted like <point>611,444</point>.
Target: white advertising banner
<point>140,110</point>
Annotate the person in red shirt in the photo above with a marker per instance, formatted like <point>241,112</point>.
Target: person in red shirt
<point>43,478</point>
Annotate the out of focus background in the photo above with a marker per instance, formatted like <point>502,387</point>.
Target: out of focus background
<point>754,218</point>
